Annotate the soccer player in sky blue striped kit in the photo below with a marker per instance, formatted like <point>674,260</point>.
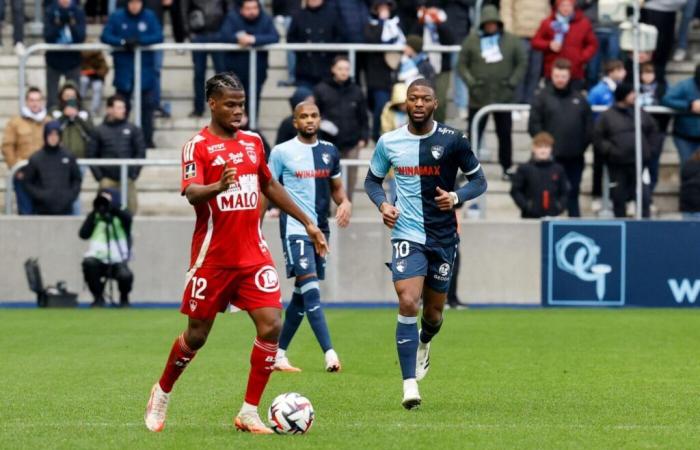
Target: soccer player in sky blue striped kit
<point>309,169</point>
<point>425,156</point>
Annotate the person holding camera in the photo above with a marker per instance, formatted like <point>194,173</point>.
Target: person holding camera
<point>108,228</point>
<point>64,23</point>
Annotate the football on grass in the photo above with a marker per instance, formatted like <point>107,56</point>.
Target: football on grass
<point>291,413</point>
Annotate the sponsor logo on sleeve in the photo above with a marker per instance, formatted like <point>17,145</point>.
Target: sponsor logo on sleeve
<point>190,171</point>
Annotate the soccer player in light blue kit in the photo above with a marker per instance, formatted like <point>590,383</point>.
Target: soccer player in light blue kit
<point>425,156</point>
<point>309,169</point>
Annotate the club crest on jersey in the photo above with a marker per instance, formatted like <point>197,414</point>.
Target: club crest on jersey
<point>241,195</point>
<point>236,158</point>
<point>304,263</point>
<point>401,265</point>
<point>326,157</point>
<point>190,171</point>
<point>267,280</point>
<point>437,151</point>
<point>252,154</point>
<point>193,304</point>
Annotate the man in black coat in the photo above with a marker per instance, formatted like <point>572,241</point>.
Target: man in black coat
<point>344,113</point>
<point>52,177</point>
<point>614,138</point>
<point>317,23</point>
<point>117,138</point>
<point>539,186</point>
<point>565,114</point>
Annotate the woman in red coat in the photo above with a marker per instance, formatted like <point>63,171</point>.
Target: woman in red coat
<point>566,33</point>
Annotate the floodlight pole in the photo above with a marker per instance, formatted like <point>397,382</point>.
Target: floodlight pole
<point>637,112</point>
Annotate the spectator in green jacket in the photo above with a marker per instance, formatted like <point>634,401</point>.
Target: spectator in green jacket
<point>492,62</point>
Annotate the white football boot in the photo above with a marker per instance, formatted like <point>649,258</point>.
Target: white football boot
<point>250,422</point>
<point>332,361</point>
<point>411,396</point>
<point>156,409</point>
<point>282,364</point>
<point>422,360</point>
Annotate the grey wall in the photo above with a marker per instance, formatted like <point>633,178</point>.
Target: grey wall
<point>500,261</point>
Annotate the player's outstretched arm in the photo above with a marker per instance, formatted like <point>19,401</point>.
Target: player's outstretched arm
<point>342,215</point>
<point>276,193</point>
<point>198,193</point>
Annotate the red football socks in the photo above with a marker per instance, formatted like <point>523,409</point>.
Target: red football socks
<point>262,360</point>
<point>180,357</point>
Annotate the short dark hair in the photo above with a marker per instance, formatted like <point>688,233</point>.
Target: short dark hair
<point>112,99</point>
<point>562,64</point>
<point>243,2</point>
<point>221,81</point>
<point>32,89</point>
<point>339,58</point>
<point>421,82</point>
<point>613,65</point>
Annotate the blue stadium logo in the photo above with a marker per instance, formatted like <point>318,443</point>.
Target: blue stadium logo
<point>584,264</point>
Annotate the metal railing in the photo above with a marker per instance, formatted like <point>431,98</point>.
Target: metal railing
<point>124,165</point>
<point>351,49</point>
<point>476,139</point>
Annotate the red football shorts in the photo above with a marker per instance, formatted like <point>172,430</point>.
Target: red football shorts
<point>209,291</point>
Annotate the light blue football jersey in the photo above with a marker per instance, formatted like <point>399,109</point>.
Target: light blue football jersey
<point>305,171</point>
<point>421,164</point>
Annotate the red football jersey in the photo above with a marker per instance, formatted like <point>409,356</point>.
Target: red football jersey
<point>227,233</point>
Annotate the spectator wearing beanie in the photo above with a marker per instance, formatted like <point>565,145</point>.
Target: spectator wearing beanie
<point>566,33</point>
<point>52,176</point>
<point>614,137</point>
<point>492,63</point>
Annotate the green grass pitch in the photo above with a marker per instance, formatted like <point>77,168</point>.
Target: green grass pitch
<point>499,379</point>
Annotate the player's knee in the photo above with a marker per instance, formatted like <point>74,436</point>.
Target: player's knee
<point>271,330</point>
<point>433,313</point>
<point>408,304</point>
<point>195,338</point>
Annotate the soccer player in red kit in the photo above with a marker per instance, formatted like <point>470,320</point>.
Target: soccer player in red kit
<point>223,175</point>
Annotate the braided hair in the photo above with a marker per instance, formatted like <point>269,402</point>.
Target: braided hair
<point>221,81</point>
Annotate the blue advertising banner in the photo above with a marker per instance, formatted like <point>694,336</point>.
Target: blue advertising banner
<point>621,263</point>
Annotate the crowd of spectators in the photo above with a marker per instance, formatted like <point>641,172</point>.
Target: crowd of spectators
<point>559,56</point>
